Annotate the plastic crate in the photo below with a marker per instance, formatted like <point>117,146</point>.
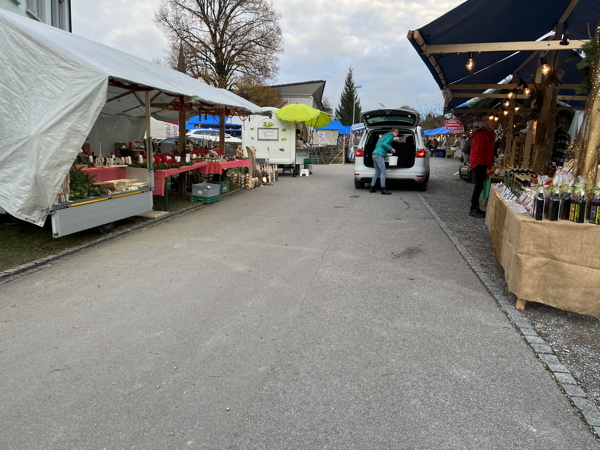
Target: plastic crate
<point>206,189</point>
<point>224,185</point>
<point>199,199</point>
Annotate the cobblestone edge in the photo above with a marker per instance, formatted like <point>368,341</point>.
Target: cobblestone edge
<point>34,266</point>
<point>563,377</point>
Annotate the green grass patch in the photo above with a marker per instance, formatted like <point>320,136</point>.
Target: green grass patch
<point>24,242</point>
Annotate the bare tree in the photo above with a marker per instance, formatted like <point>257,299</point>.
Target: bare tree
<point>222,40</point>
<point>431,114</point>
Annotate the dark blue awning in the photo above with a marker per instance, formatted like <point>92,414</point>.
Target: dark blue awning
<point>486,21</point>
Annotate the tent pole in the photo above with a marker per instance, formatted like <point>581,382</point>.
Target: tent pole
<point>222,130</point>
<point>182,144</point>
<point>149,149</point>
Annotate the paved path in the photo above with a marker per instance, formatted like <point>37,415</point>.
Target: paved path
<point>301,315</point>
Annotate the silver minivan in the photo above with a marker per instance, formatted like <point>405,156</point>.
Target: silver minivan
<point>412,162</point>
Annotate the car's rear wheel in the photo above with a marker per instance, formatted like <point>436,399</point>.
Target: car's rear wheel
<point>423,186</point>
<point>359,184</point>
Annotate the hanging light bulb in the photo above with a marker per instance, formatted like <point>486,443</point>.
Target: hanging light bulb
<point>516,108</point>
<point>505,112</point>
<point>470,63</point>
<point>506,103</point>
<point>544,65</point>
<point>491,117</point>
<point>496,118</point>
<point>526,90</point>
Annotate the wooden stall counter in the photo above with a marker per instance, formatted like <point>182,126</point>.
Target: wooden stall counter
<point>554,263</point>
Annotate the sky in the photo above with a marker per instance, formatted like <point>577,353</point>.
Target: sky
<point>322,40</point>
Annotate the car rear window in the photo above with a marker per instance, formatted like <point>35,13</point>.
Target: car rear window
<point>399,119</point>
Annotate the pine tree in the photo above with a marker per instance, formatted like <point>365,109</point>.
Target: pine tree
<point>348,101</point>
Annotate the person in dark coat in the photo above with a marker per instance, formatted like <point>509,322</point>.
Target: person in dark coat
<point>482,161</point>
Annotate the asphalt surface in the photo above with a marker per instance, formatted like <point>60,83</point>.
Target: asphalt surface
<point>301,315</point>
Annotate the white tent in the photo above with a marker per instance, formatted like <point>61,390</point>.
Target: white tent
<point>54,87</point>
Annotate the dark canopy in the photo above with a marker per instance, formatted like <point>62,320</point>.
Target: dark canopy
<point>487,21</point>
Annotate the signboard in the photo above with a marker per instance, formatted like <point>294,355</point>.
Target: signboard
<point>455,125</point>
<point>268,134</point>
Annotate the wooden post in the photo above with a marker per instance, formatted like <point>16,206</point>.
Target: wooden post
<point>587,142</point>
<point>542,148</point>
<point>509,130</point>
<point>528,144</point>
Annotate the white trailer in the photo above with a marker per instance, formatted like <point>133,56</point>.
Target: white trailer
<point>273,139</point>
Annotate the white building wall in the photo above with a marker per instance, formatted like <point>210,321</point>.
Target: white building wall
<point>51,12</point>
<point>301,99</point>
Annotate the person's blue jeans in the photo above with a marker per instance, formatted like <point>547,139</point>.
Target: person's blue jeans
<point>379,164</point>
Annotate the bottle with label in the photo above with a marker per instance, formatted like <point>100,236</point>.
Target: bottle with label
<point>595,208</point>
<point>538,204</point>
<point>554,205</point>
<point>578,206</point>
<point>565,203</point>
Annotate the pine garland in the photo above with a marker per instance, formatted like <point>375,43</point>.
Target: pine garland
<point>591,53</point>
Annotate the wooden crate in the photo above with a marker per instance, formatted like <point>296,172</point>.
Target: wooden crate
<point>63,194</point>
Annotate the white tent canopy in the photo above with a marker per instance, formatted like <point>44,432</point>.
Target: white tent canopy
<point>55,85</point>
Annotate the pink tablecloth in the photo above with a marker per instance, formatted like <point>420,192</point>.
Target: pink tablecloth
<point>160,176</point>
<point>105,173</point>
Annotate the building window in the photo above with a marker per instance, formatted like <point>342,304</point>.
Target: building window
<point>58,14</point>
<point>37,8</point>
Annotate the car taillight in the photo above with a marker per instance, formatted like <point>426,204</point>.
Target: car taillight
<point>359,152</point>
<point>420,153</point>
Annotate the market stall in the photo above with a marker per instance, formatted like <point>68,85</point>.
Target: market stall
<point>218,167</point>
<point>87,94</point>
<point>524,74</point>
<point>555,263</point>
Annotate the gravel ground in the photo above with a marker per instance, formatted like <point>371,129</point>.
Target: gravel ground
<point>573,337</point>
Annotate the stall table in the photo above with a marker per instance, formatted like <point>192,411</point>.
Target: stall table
<point>554,263</point>
<point>160,176</point>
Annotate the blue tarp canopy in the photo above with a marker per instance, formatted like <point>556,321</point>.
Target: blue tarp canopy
<point>486,21</point>
<point>212,121</point>
<point>436,131</point>
<point>336,125</point>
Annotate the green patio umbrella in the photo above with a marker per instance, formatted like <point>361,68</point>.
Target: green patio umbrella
<point>321,121</point>
<point>297,112</point>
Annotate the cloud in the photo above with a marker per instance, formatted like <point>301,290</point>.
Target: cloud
<point>322,39</point>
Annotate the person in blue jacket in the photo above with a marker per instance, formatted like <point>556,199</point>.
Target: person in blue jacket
<point>384,144</point>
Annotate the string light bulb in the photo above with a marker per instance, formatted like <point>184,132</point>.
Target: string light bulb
<point>516,108</point>
<point>491,117</point>
<point>526,90</point>
<point>505,113</point>
<point>496,118</point>
<point>545,68</point>
<point>470,63</point>
<point>506,103</point>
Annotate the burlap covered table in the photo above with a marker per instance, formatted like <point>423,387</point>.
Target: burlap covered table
<point>555,263</point>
